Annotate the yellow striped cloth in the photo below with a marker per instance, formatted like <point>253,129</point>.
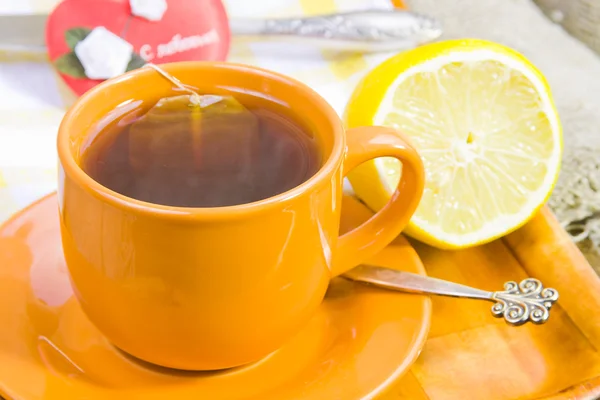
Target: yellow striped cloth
<point>33,99</point>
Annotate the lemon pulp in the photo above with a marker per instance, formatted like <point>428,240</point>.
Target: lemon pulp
<point>484,123</point>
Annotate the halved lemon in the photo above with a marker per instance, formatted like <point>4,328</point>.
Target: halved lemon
<point>483,120</point>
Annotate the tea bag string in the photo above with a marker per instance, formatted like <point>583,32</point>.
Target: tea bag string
<point>194,97</point>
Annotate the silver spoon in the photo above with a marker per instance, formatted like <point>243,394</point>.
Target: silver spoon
<point>359,31</point>
<point>362,31</point>
<point>518,303</point>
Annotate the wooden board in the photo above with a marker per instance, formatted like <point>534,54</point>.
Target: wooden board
<point>471,356</point>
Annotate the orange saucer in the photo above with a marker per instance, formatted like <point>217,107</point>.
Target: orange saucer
<point>361,340</point>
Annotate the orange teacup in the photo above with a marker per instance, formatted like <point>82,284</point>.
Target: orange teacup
<point>212,288</point>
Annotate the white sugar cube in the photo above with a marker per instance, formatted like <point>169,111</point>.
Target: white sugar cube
<point>152,10</point>
<point>103,54</point>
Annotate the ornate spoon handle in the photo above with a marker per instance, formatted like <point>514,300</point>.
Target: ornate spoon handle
<point>370,30</point>
<point>518,303</point>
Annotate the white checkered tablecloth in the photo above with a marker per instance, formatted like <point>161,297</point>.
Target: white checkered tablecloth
<point>33,99</point>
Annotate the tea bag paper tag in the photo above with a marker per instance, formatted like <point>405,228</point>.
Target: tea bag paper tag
<point>206,100</point>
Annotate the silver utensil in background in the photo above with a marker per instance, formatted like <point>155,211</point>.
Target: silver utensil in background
<point>359,31</point>
<point>517,304</point>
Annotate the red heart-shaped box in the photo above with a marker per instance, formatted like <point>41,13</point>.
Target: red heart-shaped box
<point>189,30</point>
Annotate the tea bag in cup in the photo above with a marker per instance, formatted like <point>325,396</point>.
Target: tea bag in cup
<point>203,146</point>
<point>197,147</point>
<point>207,132</point>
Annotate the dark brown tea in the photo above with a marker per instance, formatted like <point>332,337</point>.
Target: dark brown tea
<point>219,153</point>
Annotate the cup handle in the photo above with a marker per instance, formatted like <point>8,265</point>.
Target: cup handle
<point>364,144</point>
